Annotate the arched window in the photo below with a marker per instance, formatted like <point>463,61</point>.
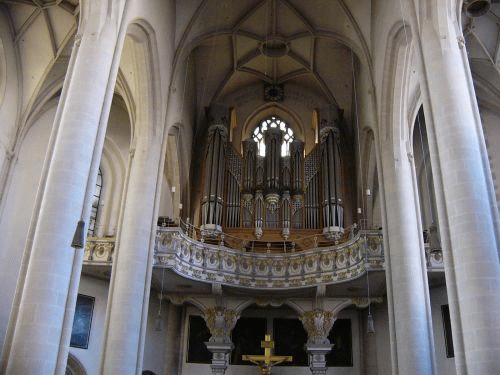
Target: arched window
<point>273,122</point>
<point>95,204</point>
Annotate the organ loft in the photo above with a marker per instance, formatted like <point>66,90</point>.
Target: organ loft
<point>268,191</point>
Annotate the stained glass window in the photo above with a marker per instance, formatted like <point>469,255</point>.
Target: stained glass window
<point>273,122</point>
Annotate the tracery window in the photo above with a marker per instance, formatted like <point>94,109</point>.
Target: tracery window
<point>95,204</point>
<point>273,122</point>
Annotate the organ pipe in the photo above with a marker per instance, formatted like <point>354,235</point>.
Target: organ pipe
<point>213,195</point>
<point>333,221</point>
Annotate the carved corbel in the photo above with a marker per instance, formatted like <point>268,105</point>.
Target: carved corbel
<point>220,321</point>
<point>318,324</point>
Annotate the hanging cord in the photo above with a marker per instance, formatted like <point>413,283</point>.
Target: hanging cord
<point>370,326</point>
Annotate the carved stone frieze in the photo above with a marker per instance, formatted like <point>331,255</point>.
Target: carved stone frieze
<point>99,250</point>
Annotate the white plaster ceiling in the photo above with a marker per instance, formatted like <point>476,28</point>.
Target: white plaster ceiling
<point>41,29</point>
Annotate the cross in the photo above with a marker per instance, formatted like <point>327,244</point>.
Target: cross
<point>266,361</point>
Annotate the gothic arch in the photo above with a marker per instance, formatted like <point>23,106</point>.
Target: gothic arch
<point>113,167</point>
<point>269,109</point>
<point>74,366</point>
<point>147,120</point>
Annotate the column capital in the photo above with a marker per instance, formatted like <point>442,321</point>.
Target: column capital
<point>318,324</point>
<point>220,321</point>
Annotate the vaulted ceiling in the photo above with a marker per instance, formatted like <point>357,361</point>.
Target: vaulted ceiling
<point>316,46</point>
<point>42,30</point>
<point>482,35</point>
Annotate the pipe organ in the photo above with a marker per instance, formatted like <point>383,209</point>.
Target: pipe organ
<point>272,192</point>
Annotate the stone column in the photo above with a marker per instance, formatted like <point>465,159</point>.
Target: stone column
<point>318,324</point>
<point>467,204</point>
<point>35,339</point>
<point>406,273</point>
<point>220,321</point>
<point>130,281</point>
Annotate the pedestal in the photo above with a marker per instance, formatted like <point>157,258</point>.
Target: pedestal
<point>220,356</point>
<point>317,357</point>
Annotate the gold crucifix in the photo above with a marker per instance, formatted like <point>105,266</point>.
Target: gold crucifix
<point>268,360</point>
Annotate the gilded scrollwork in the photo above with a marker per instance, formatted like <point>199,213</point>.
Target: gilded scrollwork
<point>220,321</point>
<point>318,324</point>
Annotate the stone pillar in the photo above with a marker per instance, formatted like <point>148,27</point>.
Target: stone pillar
<point>130,281</point>
<point>467,205</point>
<point>220,321</point>
<point>35,340</point>
<point>406,273</point>
<point>318,324</point>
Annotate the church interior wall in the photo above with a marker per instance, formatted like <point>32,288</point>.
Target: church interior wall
<point>439,297</point>
<point>179,93</point>
<point>9,87</point>
<point>18,204</point>
<point>156,344</point>
<point>351,314</point>
<point>380,341</point>
<point>90,357</point>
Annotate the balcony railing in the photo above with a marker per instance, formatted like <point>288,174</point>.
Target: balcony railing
<point>217,263</point>
<point>205,262</point>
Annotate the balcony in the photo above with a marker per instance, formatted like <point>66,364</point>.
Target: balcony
<point>216,263</point>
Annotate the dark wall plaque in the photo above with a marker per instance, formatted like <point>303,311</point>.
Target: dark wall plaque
<point>82,321</point>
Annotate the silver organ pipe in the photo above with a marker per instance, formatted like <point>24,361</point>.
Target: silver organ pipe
<point>249,154</point>
<point>259,210</point>
<point>212,203</point>
<point>333,226</point>
<point>273,141</point>
<point>273,192</point>
<point>213,196</point>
